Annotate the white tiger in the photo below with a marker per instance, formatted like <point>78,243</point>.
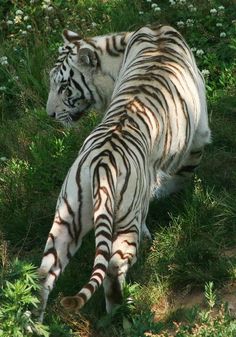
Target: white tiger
<point>155,124</point>
<point>83,78</point>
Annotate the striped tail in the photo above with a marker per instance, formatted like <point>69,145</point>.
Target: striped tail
<point>103,191</point>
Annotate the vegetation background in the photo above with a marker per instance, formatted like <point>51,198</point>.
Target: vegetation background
<point>183,278</point>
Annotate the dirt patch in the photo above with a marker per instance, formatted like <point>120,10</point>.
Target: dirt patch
<point>228,295</point>
<point>161,309</point>
<point>190,298</point>
<point>229,253</point>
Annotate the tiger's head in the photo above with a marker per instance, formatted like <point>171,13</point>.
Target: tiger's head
<point>77,82</point>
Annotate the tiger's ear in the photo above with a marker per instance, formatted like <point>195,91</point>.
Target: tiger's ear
<point>87,57</point>
<point>69,36</point>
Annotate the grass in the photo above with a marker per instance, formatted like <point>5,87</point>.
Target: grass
<point>193,233</point>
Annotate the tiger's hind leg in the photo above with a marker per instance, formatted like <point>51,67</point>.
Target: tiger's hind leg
<point>63,241</point>
<point>176,182</point>
<point>59,249</point>
<point>124,255</point>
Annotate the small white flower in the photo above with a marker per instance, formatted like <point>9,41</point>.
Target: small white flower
<point>154,5</point>
<point>221,8</point>
<point>27,314</point>
<point>24,32</point>
<point>148,0</point>
<point>50,9</point>
<point>222,34</point>
<point>189,22</point>
<point>192,8</point>
<point>32,1</point>
<point>47,2</point>
<point>233,22</point>
<point>17,18</point>
<point>3,60</point>
<point>83,20</point>
<point>219,24</point>
<point>3,88</point>
<point>3,158</point>
<point>90,9</point>
<point>26,18</point>
<point>15,78</point>
<point>194,49</point>
<point>140,12</point>
<point>213,11</point>
<point>94,24</point>
<point>205,72</point>
<point>172,2</point>
<point>44,6</point>
<point>157,9</point>
<point>9,22</point>
<point>29,27</point>
<point>19,12</point>
<point>199,52</point>
<point>180,24</point>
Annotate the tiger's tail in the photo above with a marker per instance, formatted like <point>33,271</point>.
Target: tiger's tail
<point>103,194</point>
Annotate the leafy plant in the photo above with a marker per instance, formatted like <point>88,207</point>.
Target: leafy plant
<point>18,294</point>
<point>210,294</point>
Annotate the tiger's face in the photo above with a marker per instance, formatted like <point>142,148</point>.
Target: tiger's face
<point>72,89</point>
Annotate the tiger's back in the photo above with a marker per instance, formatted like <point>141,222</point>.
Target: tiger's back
<point>163,93</point>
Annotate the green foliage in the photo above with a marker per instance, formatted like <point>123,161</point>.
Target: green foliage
<point>191,231</point>
<point>191,245</point>
<point>18,296</point>
<point>208,325</point>
<point>220,326</point>
<point>210,295</point>
<point>57,329</point>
